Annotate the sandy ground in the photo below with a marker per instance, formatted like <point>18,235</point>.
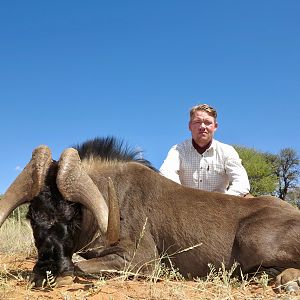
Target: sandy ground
<point>15,272</point>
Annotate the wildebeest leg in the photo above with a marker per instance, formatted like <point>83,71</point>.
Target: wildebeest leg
<point>126,257</point>
<point>112,262</point>
<point>288,280</point>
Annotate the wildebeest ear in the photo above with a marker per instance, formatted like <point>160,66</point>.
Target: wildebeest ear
<point>113,227</point>
<point>28,184</point>
<point>76,185</point>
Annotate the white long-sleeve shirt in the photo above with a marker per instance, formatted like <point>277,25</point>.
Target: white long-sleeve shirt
<point>218,169</point>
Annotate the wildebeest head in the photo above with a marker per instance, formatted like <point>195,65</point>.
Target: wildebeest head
<point>55,221</point>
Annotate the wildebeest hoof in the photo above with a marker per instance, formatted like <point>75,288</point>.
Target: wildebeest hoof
<point>64,280</point>
<point>288,281</point>
<point>38,282</point>
<point>291,287</point>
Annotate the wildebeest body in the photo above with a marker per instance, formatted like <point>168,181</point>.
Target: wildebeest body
<point>227,228</point>
<point>157,218</point>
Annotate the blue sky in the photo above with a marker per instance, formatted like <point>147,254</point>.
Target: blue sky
<point>74,70</point>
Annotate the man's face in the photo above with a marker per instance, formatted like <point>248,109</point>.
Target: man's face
<point>202,127</point>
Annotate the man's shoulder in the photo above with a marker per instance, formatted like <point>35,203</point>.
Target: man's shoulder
<point>183,147</point>
<point>225,148</point>
<point>186,144</point>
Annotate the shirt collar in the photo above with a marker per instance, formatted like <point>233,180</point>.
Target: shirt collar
<point>209,150</point>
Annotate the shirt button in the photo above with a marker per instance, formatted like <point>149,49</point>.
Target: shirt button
<point>200,180</point>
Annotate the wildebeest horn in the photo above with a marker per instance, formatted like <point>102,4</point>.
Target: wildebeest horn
<point>113,227</point>
<point>28,184</point>
<point>76,185</point>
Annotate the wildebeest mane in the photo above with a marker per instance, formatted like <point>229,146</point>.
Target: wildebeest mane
<point>110,149</point>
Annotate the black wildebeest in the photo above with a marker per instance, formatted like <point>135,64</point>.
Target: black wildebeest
<point>101,200</point>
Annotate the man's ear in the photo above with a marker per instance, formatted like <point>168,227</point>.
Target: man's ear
<point>216,125</point>
<point>190,126</point>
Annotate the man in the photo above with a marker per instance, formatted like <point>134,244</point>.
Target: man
<point>203,162</point>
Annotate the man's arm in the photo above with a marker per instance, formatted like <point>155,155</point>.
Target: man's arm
<point>238,178</point>
<point>171,164</point>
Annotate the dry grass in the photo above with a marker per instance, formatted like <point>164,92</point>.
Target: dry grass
<point>16,237</point>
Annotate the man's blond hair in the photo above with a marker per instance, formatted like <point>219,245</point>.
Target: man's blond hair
<point>203,107</point>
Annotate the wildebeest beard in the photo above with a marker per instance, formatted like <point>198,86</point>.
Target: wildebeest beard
<point>55,223</point>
